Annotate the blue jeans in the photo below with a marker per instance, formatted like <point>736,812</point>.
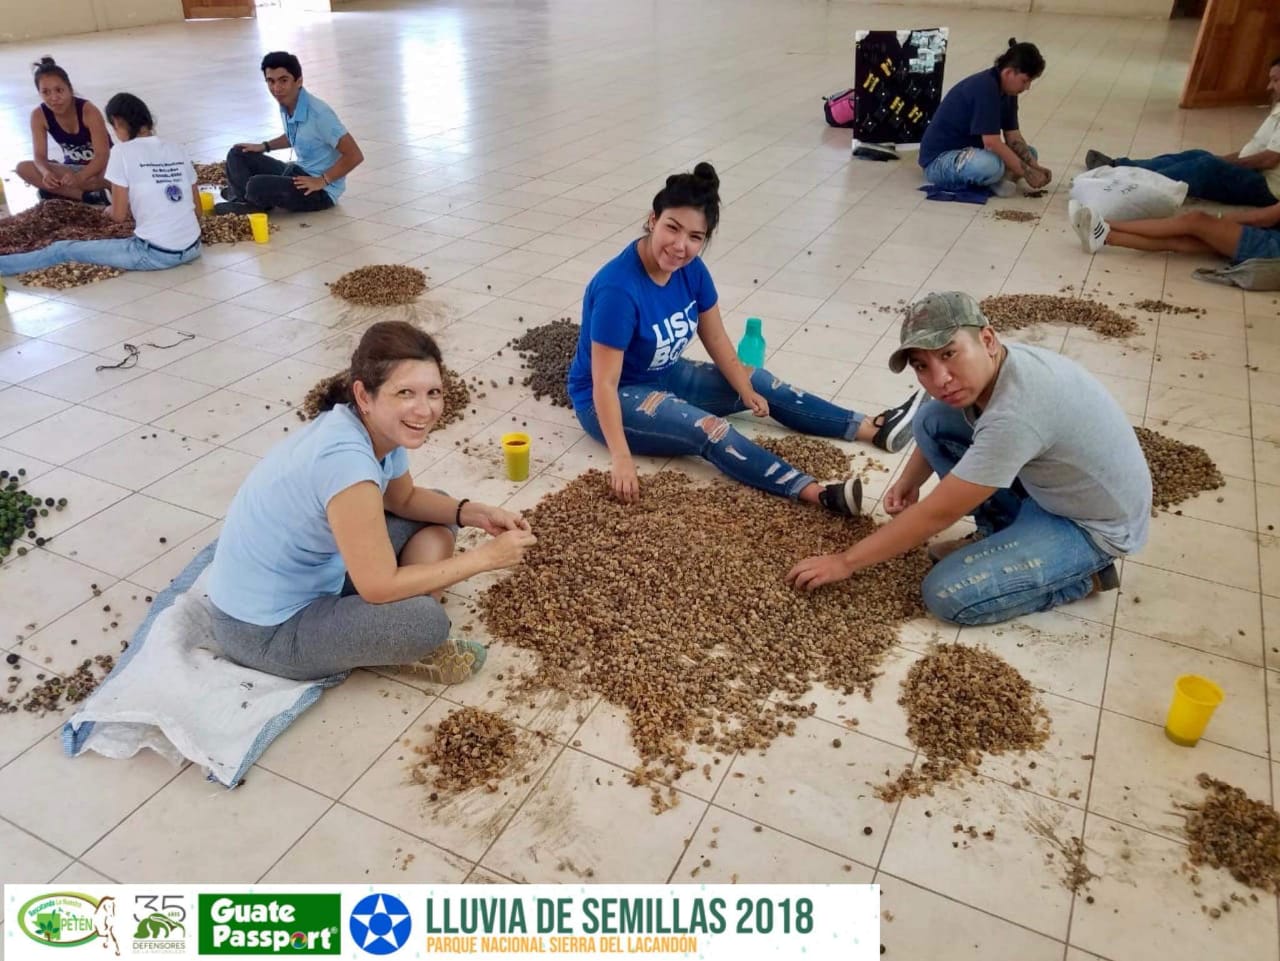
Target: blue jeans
<point>1209,177</point>
<point>1029,560</point>
<point>682,413</point>
<point>128,253</point>
<point>971,166</point>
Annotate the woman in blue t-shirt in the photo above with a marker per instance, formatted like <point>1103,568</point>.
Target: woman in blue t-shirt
<point>973,139</point>
<point>632,391</point>
<point>330,558</point>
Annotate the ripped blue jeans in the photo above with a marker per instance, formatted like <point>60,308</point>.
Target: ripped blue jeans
<point>682,413</point>
<point>1029,560</point>
<point>967,167</point>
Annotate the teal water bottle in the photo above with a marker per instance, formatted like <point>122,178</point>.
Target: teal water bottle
<point>751,347</point>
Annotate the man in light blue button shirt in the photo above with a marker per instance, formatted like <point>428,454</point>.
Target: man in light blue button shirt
<point>325,152</point>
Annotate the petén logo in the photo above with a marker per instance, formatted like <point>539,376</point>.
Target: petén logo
<point>160,924</point>
<point>270,923</point>
<point>65,919</point>
<point>380,924</point>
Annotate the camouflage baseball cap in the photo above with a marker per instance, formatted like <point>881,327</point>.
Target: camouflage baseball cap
<point>932,321</point>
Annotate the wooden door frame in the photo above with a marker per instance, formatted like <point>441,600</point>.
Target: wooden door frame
<point>212,10</point>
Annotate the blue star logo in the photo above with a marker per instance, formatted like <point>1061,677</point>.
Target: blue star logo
<point>380,924</point>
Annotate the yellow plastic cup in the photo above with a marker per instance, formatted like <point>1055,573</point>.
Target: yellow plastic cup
<point>260,230</point>
<point>206,202</point>
<point>516,449</point>
<point>1194,700</point>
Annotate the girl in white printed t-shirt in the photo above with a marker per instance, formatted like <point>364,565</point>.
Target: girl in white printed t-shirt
<point>151,180</point>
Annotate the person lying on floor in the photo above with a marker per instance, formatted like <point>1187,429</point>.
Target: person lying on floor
<point>326,152</point>
<point>1238,235</point>
<point>1030,444</point>
<point>330,558</point>
<point>77,127</point>
<point>152,181</point>
<point>973,139</point>
<point>1248,178</point>
<point>632,391</point>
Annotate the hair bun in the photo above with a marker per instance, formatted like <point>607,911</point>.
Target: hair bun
<point>704,171</point>
<point>1013,42</point>
<point>44,62</point>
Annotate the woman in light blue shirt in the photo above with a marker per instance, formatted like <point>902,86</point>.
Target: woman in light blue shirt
<point>330,558</point>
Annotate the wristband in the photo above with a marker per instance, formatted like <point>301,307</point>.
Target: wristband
<point>457,518</point>
<point>266,146</point>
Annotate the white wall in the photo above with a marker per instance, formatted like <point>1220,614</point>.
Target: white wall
<point>29,19</point>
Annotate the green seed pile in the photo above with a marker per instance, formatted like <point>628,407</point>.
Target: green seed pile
<point>380,285</point>
<point>1232,831</point>
<point>701,641</point>
<point>1014,311</point>
<point>1178,470</point>
<point>20,512</point>
<point>547,351</point>
<point>963,702</point>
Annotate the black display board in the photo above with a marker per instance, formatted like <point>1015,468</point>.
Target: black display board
<point>897,83</point>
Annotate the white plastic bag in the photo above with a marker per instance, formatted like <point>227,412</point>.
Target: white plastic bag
<point>1128,193</point>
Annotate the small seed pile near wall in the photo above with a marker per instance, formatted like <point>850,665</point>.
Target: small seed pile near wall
<point>66,276</point>
<point>1014,311</point>
<point>547,351</point>
<point>963,702</point>
<point>214,174</point>
<point>1232,831</point>
<point>1178,470</point>
<point>471,747</point>
<point>380,285</point>
<point>676,611</point>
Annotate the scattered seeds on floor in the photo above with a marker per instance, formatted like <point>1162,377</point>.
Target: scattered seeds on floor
<point>547,351</point>
<point>380,285</point>
<point>470,748</point>
<point>690,642</point>
<point>1178,471</point>
<point>1016,216</point>
<point>1009,312</point>
<point>56,692</point>
<point>1232,831</point>
<point>963,702</point>
<point>66,276</point>
<point>1164,307</point>
<point>20,513</point>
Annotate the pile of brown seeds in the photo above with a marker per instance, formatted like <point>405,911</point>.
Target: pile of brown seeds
<point>1178,470</point>
<point>1015,311</point>
<point>214,174</point>
<point>1164,307</point>
<point>963,702</point>
<point>548,351</point>
<point>671,609</point>
<point>456,397</point>
<point>471,747</point>
<point>1230,830</point>
<point>66,276</point>
<point>56,692</point>
<point>817,458</point>
<point>1016,216</point>
<point>225,228</point>
<point>380,285</point>
<point>53,220</point>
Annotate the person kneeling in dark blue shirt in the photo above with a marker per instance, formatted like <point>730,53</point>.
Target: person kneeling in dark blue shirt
<point>973,140</point>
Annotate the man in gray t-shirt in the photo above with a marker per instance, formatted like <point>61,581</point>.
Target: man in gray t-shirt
<point>1031,445</point>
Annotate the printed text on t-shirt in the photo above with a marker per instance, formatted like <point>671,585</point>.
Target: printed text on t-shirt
<point>672,336</point>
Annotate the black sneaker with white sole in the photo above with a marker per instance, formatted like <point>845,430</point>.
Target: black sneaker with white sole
<point>1093,159</point>
<point>235,207</point>
<point>842,497</point>
<point>895,424</point>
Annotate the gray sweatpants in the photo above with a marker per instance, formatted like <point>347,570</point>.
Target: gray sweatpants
<point>340,632</point>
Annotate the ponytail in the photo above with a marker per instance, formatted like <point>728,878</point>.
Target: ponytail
<point>1022,57</point>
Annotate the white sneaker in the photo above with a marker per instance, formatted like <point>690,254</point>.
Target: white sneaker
<point>1091,229</point>
<point>1003,188</point>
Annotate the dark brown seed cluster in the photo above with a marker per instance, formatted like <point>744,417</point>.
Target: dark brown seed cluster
<point>66,276</point>
<point>1178,470</point>
<point>56,692</point>
<point>699,628</point>
<point>1232,831</point>
<point>1014,311</point>
<point>1016,216</point>
<point>214,174</point>
<point>471,747</point>
<point>817,458</point>
<point>54,220</point>
<point>380,285</point>
<point>547,351</point>
<point>963,702</point>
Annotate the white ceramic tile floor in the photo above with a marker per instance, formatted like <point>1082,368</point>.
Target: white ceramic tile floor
<point>511,182</point>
